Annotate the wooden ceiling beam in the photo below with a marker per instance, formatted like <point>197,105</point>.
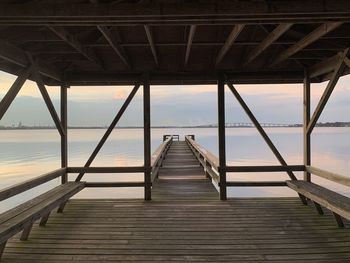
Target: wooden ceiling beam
<point>108,35</point>
<point>98,78</point>
<point>237,29</point>
<point>235,11</point>
<point>307,40</point>
<point>150,39</point>
<point>76,44</point>
<point>17,56</point>
<point>268,41</point>
<point>189,43</point>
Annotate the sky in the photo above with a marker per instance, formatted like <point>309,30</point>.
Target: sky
<point>173,105</point>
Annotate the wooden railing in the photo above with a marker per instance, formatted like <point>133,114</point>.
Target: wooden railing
<point>175,137</point>
<point>159,155</point>
<point>208,160</point>
<point>211,166</point>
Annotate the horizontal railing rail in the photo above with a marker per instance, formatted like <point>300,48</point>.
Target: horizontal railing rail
<point>114,184</point>
<point>265,168</point>
<point>256,183</point>
<point>337,178</point>
<point>29,184</point>
<point>158,157</point>
<point>122,169</point>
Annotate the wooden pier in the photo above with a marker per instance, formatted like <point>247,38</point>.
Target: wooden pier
<point>184,222</point>
<point>186,214</point>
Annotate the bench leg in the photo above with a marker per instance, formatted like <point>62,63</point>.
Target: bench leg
<point>44,219</point>
<point>26,232</point>
<point>303,199</point>
<point>2,248</point>
<point>61,207</point>
<point>318,208</point>
<point>338,219</point>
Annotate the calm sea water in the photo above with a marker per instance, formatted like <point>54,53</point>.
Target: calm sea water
<point>25,154</point>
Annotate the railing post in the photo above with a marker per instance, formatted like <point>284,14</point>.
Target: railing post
<point>222,139</point>
<point>307,135</point>
<point>147,137</point>
<point>64,137</point>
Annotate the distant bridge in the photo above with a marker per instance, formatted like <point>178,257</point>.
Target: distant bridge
<point>249,124</point>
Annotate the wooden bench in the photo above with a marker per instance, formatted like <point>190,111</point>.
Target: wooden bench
<point>23,216</point>
<point>337,203</point>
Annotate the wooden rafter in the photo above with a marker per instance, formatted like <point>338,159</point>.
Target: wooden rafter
<point>150,39</point>
<point>189,43</point>
<point>228,43</point>
<point>108,35</point>
<point>76,44</point>
<point>268,41</point>
<point>17,56</point>
<point>307,40</point>
<point>324,66</point>
<point>239,12</point>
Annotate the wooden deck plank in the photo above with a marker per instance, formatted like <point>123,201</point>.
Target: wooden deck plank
<point>184,222</point>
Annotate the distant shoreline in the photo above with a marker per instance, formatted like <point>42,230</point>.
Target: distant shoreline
<point>245,125</point>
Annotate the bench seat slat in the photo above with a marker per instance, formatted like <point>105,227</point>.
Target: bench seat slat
<point>333,201</point>
<point>27,205</point>
<point>46,203</point>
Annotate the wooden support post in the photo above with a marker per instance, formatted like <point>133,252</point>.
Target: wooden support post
<point>307,136</point>
<point>44,219</point>
<point>338,220</point>
<point>15,88</point>
<point>26,232</point>
<point>207,167</point>
<point>318,208</point>
<point>109,130</point>
<point>222,139</point>
<point>147,137</point>
<point>64,137</point>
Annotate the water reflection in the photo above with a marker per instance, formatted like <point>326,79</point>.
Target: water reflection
<point>27,154</point>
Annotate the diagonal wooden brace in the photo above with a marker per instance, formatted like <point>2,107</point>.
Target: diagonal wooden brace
<point>46,97</point>
<point>260,129</point>
<point>15,88</point>
<point>109,130</point>
<point>338,71</point>
<point>264,135</point>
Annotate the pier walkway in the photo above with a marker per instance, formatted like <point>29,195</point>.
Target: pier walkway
<point>185,221</point>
